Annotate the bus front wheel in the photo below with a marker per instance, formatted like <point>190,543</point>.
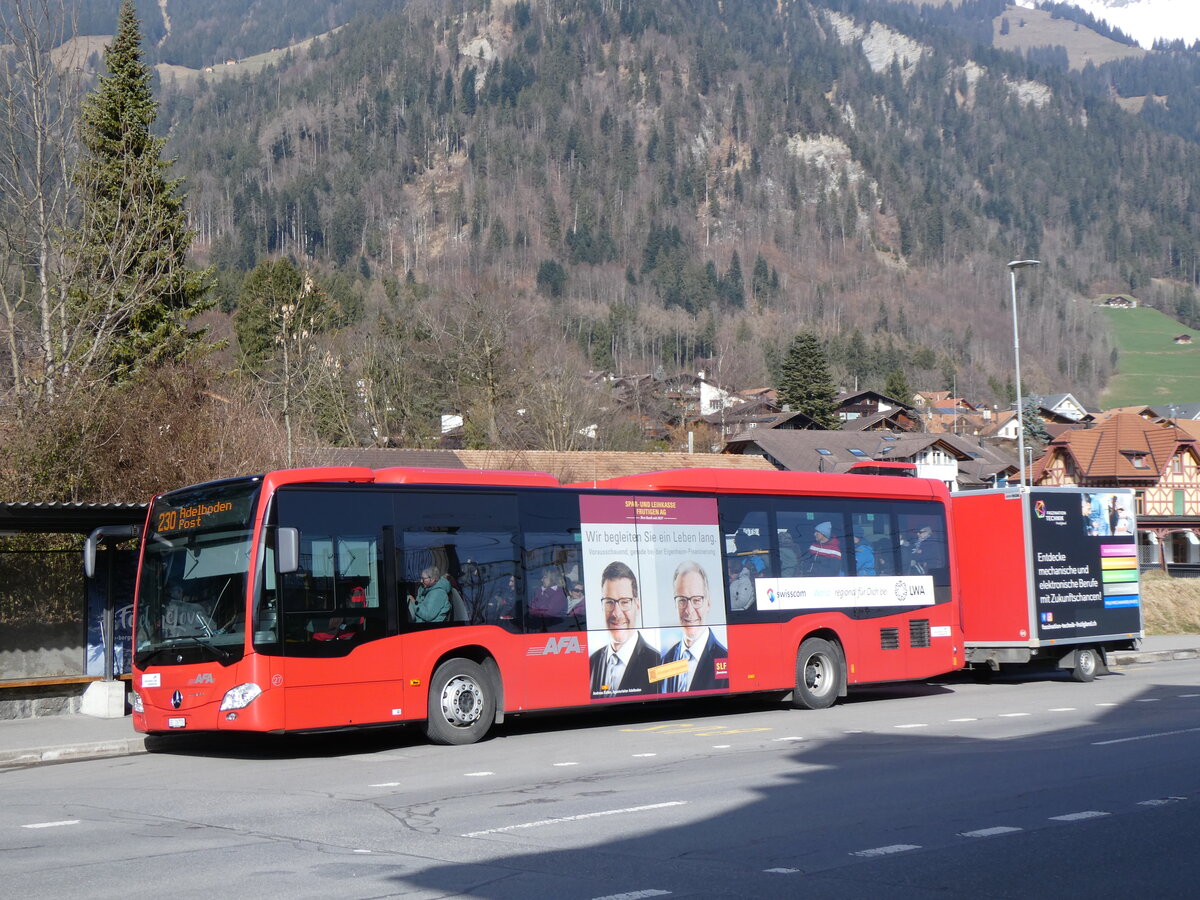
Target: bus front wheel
<point>462,704</point>
<point>818,674</point>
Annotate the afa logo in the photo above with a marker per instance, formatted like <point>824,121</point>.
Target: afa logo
<point>1039,509</point>
<point>556,646</point>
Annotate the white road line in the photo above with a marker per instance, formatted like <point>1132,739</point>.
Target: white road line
<point>788,739</point>
<point>1148,699</point>
<point>965,719</point>
<point>990,832</point>
<point>635,895</point>
<point>1161,801</point>
<point>1144,737</point>
<point>1106,704</point>
<point>567,764</point>
<point>643,755</point>
<point>722,746</point>
<point>1014,715</point>
<point>1061,709</point>
<point>1079,816</point>
<point>781,871</point>
<point>1189,695</point>
<point>913,725</point>
<point>884,851</point>
<point>385,784</point>
<point>477,774</point>
<point>362,851</point>
<point>52,824</point>
<point>578,818</point>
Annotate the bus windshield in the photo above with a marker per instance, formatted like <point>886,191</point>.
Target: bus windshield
<point>192,587</point>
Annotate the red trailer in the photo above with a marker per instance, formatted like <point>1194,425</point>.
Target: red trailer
<point>1049,576</point>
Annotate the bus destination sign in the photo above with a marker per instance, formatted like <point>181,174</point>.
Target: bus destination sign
<point>201,515</point>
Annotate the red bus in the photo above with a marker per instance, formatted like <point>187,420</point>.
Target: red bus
<point>330,598</point>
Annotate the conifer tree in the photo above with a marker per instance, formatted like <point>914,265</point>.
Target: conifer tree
<point>131,262</point>
<point>805,383</point>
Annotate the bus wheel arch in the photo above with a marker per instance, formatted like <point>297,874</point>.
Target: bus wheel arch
<point>820,672</point>
<point>463,699</point>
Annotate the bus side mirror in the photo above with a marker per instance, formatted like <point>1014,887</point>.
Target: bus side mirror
<point>105,532</point>
<point>287,550</point>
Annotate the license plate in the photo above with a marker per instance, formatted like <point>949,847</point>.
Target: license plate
<point>177,722</point>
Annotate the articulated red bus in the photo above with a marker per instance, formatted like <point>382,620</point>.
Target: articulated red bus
<point>337,597</point>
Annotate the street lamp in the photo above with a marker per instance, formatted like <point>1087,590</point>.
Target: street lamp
<point>1012,271</point>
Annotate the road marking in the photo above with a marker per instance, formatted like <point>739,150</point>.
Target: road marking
<point>884,851</point>
<point>477,774</point>
<point>1161,801</point>
<point>1062,709</point>
<point>722,746</point>
<point>643,755</point>
<point>1013,715</point>
<point>362,851</point>
<point>674,727</point>
<point>1144,737</point>
<point>578,818</point>
<point>788,739</point>
<point>385,784</point>
<point>721,732</point>
<point>913,725</point>
<point>781,871</point>
<point>1079,816</point>
<point>53,824</point>
<point>965,719</point>
<point>1106,704</point>
<point>1147,699</point>
<point>635,895</point>
<point>1189,695</point>
<point>567,764</point>
<point>990,832</point>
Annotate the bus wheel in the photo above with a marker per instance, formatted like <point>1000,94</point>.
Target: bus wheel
<point>818,675</point>
<point>1086,665</point>
<point>462,704</point>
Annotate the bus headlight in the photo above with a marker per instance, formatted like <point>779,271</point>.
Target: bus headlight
<point>135,702</point>
<point>241,696</point>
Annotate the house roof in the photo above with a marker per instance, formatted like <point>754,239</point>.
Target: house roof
<point>1122,448</point>
<point>68,518</point>
<point>566,466</point>
<point>834,451</point>
<point>860,396</point>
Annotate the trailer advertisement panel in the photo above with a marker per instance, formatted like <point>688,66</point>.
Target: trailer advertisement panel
<point>1085,570</point>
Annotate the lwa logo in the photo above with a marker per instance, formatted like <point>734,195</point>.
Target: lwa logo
<point>556,646</point>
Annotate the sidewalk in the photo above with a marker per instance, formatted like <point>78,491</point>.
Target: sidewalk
<point>51,739</point>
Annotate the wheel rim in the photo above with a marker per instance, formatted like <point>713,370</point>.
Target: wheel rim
<point>1086,662</point>
<point>817,674</point>
<point>462,701</point>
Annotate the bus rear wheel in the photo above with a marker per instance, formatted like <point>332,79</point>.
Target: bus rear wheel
<point>818,674</point>
<point>462,704</point>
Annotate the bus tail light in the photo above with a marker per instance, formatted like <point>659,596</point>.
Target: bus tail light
<point>241,696</point>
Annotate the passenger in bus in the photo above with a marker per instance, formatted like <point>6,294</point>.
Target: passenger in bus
<point>548,605</point>
<point>503,603</point>
<point>741,587</point>
<point>621,668</point>
<point>699,647</point>
<point>432,603</point>
<point>824,555</point>
<point>864,556</point>
<point>924,553</point>
<point>789,555</point>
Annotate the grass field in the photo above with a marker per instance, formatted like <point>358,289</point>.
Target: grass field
<point>1170,605</point>
<point>1152,369</point>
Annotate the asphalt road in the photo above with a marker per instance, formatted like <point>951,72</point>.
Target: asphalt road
<point>945,789</point>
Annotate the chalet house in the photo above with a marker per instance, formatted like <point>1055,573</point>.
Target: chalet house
<point>1063,405</point>
<point>836,451</point>
<point>1161,463</point>
<point>1120,301</point>
<point>900,419</point>
<point>1183,338</point>
<point>866,403</point>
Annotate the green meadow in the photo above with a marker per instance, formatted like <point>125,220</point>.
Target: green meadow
<point>1152,369</point>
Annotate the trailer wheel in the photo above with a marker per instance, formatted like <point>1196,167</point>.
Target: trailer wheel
<point>1086,665</point>
<point>462,704</point>
<point>818,675</point>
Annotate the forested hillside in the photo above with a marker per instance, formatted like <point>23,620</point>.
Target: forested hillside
<point>682,180</point>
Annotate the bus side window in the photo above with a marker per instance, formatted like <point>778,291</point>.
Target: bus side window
<point>749,552</point>
<point>553,564</point>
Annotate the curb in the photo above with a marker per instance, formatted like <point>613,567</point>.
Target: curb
<point>37,756</point>
<point>1132,657</point>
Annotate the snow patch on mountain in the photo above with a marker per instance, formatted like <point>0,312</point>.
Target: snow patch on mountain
<point>1144,20</point>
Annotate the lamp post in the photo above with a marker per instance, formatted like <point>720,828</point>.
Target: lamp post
<point>1012,271</point>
